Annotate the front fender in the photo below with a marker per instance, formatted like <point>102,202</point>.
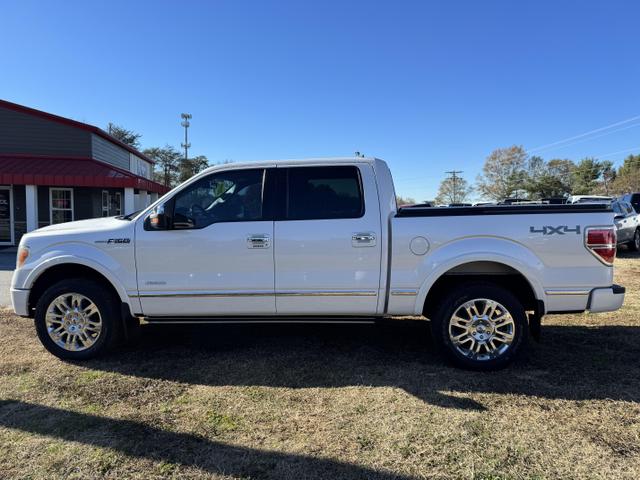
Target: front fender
<point>108,262</point>
<point>480,249</point>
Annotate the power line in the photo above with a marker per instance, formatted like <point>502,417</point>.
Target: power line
<point>454,178</point>
<point>619,151</point>
<point>589,139</point>
<point>585,134</point>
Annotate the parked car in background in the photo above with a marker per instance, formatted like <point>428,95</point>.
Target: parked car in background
<point>512,201</point>
<point>589,199</point>
<point>627,224</point>
<point>554,200</point>
<point>633,199</point>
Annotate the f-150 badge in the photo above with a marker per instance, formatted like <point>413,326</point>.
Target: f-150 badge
<point>559,230</point>
<point>115,240</point>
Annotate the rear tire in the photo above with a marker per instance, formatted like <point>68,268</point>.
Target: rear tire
<point>77,319</point>
<point>634,245</point>
<point>480,326</point>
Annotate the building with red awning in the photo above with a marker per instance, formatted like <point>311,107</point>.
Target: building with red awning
<point>54,169</point>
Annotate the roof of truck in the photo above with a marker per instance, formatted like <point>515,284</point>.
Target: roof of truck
<point>297,161</point>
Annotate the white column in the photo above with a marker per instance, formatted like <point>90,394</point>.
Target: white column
<point>144,199</point>
<point>153,197</point>
<point>129,201</point>
<point>31,194</point>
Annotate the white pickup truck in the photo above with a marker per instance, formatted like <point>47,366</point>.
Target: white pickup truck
<point>316,241</point>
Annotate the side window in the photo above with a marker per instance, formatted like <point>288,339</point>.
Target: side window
<point>230,196</point>
<point>628,207</point>
<point>616,207</point>
<point>324,193</point>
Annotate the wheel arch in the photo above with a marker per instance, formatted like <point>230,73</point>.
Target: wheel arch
<point>54,271</point>
<point>499,271</point>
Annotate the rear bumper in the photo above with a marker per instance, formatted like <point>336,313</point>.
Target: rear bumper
<point>19,301</point>
<point>606,299</point>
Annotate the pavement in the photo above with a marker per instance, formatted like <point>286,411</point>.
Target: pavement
<point>7,265</point>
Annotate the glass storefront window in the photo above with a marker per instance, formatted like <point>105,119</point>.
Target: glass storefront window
<point>61,205</point>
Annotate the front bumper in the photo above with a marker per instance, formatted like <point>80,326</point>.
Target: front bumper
<point>606,299</point>
<point>20,301</point>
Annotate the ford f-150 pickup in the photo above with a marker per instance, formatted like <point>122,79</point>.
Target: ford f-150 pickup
<point>316,241</point>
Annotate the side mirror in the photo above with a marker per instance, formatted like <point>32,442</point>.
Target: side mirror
<point>157,220</point>
<point>618,217</point>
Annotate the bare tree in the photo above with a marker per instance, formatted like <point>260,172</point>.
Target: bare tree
<point>504,173</point>
<point>454,189</point>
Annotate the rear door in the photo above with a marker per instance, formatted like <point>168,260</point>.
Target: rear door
<point>327,241</point>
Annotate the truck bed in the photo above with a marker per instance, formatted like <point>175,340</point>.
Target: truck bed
<point>502,210</point>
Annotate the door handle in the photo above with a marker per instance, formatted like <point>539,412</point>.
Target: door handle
<point>363,239</point>
<point>259,240</point>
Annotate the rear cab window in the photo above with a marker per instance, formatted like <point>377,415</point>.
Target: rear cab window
<point>315,193</point>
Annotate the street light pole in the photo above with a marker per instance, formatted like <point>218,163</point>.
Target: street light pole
<point>185,123</point>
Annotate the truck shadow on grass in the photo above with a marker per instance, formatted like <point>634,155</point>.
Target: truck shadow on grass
<point>144,441</point>
<point>571,362</point>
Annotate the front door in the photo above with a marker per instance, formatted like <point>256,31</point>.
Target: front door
<point>328,252</point>
<point>216,257</point>
<point>6,216</point>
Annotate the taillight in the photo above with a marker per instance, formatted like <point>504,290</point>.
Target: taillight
<point>601,241</point>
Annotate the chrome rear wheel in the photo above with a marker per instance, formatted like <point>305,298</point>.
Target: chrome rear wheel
<point>480,325</point>
<point>73,322</point>
<point>481,329</point>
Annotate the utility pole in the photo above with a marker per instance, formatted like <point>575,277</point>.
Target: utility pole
<point>185,123</point>
<point>454,177</point>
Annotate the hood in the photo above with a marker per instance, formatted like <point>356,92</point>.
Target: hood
<point>92,224</point>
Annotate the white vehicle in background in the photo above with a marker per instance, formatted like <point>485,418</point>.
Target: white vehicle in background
<point>316,241</point>
<point>627,224</point>
<point>589,199</point>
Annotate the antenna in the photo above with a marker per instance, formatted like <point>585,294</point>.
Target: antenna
<point>185,123</point>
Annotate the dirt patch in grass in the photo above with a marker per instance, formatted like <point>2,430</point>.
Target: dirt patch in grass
<point>326,402</point>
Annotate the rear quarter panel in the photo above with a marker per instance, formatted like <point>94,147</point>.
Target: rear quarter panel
<point>550,259</point>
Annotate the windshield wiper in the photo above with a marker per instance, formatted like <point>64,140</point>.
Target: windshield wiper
<point>129,216</point>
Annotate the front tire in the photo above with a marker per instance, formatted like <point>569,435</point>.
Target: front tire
<point>480,326</point>
<point>77,319</point>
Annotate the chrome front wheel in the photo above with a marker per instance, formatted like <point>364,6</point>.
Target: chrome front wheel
<point>481,329</point>
<point>73,322</point>
<point>77,318</point>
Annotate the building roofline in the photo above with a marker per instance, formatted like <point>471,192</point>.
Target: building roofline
<point>72,123</point>
<point>121,171</point>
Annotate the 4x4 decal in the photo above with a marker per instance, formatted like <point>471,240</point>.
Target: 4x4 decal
<point>559,230</point>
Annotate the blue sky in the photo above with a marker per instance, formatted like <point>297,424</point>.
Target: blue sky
<point>428,86</point>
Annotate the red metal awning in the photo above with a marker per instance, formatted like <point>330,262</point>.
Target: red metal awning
<point>70,172</point>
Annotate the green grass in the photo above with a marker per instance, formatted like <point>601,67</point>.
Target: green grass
<point>326,402</point>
